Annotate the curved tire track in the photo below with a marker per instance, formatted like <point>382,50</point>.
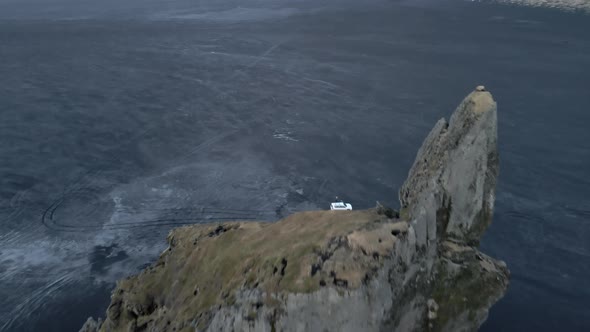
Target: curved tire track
<point>182,216</point>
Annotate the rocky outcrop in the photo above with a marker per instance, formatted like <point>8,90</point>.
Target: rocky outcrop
<point>450,189</point>
<point>373,270</point>
<point>91,325</point>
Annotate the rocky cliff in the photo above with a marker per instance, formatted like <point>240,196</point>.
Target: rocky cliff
<point>417,270</point>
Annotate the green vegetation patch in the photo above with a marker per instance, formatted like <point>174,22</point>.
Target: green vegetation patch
<point>206,264</point>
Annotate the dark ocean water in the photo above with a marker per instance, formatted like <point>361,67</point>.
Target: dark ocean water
<point>120,120</point>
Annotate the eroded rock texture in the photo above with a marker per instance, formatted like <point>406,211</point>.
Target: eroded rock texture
<point>450,189</point>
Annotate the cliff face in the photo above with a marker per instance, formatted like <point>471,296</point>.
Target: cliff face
<point>450,188</point>
<point>341,270</point>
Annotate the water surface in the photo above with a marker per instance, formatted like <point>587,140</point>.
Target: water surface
<point>120,121</point>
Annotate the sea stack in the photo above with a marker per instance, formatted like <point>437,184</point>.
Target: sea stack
<point>419,270</point>
<point>451,186</point>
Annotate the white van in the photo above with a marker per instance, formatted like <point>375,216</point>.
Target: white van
<point>340,206</point>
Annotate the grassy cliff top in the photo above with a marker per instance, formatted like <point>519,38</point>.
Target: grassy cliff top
<point>206,264</point>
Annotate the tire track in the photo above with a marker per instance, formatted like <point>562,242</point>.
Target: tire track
<point>85,181</point>
<point>181,216</point>
<point>90,178</point>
